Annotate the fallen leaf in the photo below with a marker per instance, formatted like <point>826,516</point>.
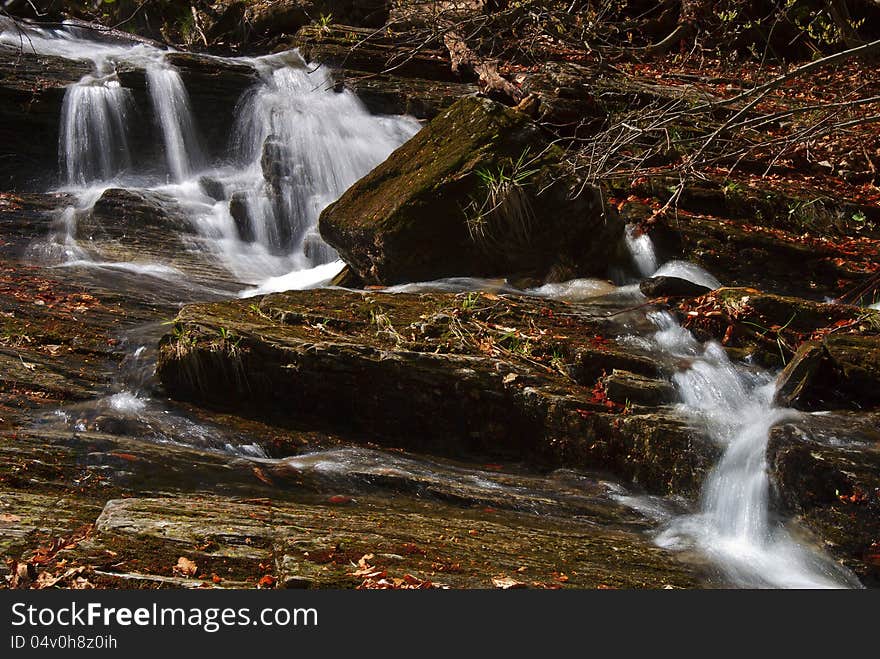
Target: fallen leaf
<point>46,580</point>
<point>506,583</point>
<point>130,457</point>
<point>185,567</point>
<point>9,517</point>
<point>259,473</point>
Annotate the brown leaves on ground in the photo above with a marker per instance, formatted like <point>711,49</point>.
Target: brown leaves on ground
<point>45,553</point>
<point>375,578</point>
<point>24,575</point>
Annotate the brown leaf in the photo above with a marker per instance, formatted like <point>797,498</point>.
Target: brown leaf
<point>9,518</point>
<point>506,583</point>
<point>46,580</point>
<point>130,457</point>
<point>259,473</point>
<point>185,567</point>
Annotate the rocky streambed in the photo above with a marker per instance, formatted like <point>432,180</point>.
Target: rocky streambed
<point>496,391</point>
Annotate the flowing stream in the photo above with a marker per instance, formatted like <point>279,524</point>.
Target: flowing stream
<point>735,526</point>
<point>319,142</point>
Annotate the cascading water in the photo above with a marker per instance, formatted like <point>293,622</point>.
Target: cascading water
<point>298,144</point>
<point>171,105</point>
<point>94,130</point>
<point>735,527</point>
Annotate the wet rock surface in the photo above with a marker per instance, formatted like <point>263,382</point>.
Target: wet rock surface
<point>671,287</point>
<point>826,470</point>
<point>91,494</point>
<point>146,227</point>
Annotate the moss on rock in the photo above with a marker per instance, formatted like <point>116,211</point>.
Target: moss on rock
<point>478,192</point>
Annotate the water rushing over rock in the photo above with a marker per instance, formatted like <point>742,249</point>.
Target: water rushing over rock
<point>735,526</point>
<point>297,145</point>
<point>183,152</point>
<point>641,250</point>
<point>94,131</point>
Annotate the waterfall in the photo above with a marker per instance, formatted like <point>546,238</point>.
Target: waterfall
<point>298,144</point>
<point>307,144</point>
<point>734,526</point>
<point>171,105</point>
<point>93,143</point>
<point>641,251</point>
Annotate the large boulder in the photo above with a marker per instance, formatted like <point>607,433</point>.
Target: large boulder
<point>477,192</point>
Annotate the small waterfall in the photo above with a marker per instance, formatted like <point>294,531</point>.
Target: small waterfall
<point>641,251</point>
<point>734,526</point>
<point>306,144</point>
<point>297,146</point>
<point>171,106</point>
<point>93,144</point>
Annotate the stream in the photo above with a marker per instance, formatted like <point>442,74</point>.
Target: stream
<point>251,228</point>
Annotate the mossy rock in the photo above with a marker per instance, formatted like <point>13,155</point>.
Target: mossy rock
<point>428,212</point>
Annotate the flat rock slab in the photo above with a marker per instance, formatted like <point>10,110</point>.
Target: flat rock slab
<point>306,545</point>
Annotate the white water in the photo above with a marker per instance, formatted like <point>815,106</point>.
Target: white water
<point>644,259</point>
<point>641,251</point>
<point>318,141</point>
<point>171,105</point>
<point>734,526</point>
<point>689,271</point>
<point>94,130</point>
